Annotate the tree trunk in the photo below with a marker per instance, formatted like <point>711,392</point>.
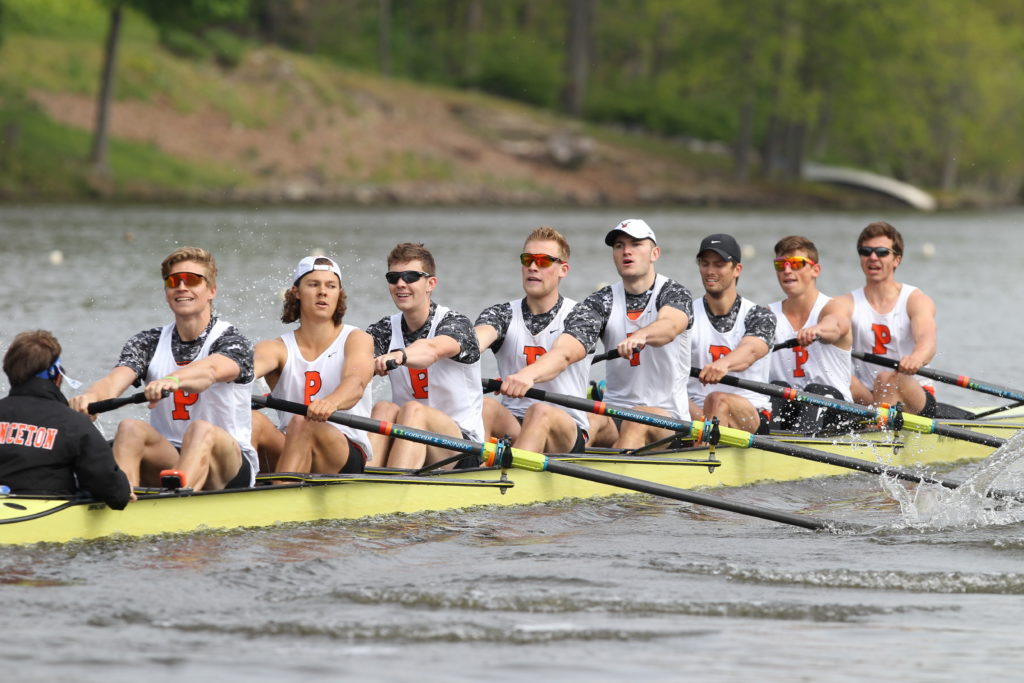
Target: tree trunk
<point>577,63</point>
<point>384,36</point>
<point>98,155</point>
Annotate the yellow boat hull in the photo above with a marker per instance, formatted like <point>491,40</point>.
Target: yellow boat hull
<point>25,519</point>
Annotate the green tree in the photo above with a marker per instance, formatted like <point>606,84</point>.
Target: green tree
<point>183,14</point>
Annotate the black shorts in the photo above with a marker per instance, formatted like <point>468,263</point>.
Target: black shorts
<point>356,463</point>
<point>241,480</point>
<point>930,403</point>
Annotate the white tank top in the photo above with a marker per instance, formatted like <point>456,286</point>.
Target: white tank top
<point>818,363</point>
<point>304,381</point>
<point>883,334</point>
<point>709,345</point>
<point>449,386</point>
<point>225,404</point>
<point>654,376</point>
<point>521,348</point>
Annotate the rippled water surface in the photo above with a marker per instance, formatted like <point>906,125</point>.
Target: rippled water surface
<point>595,590</point>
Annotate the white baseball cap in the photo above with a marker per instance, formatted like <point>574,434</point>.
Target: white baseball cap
<point>636,228</point>
<point>309,264</point>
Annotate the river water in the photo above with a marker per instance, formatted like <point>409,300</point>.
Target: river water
<point>582,591</point>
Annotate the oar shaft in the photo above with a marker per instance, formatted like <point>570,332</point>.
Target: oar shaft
<point>644,486</point>
<point>106,405</point>
<point>367,424</point>
<point>946,377</point>
<point>913,422</point>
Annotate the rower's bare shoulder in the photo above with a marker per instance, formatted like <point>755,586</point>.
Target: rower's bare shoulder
<point>919,303</point>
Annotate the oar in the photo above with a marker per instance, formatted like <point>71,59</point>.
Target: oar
<point>732,437</point>
<point>882,416</point>
<point>946,377</point>
<point>97,407</point>
<point>506,456</point>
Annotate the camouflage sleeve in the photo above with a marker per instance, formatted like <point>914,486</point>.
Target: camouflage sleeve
<point>587,319</point>
<point>238,348</point>
<point>381,333</point>
<point>458,327</point>
<point>498,316</point>
<point>760,323</point>
<point>676,295</point>
<point>138,352</point>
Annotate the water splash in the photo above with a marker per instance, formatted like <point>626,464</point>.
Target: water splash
<point>929,506</point>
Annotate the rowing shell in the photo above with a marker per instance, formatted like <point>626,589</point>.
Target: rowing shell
<point>310,498</point>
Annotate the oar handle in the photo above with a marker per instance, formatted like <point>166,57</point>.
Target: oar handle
<point>610,354</point>
<point>946,377</point>
<point>788,344</point>
<point>97,407</point>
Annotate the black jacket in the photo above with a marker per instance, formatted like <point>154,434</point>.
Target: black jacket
<point>44,445</point>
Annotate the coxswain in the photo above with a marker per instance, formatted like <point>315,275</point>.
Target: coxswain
<point>46,447</point>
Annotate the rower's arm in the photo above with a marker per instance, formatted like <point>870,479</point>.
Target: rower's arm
<point>566,350</point>
<point>485,335</point>
<point>669,324</point>
<point>111,386</point>
<point>423,353</point>
<point>833,325</point>
<point>269,357</point>
<point>921,310</point>
<point>356,373</point>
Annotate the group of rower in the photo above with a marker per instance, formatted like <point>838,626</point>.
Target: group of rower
<point>197,372</point>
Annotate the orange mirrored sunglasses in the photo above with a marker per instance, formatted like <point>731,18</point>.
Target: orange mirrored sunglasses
<point>542,260</point>
<point>190,279</point>
<point>795,263</point>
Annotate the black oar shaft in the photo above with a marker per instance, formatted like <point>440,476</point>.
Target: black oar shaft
<point>653,488</point>
<point>946,377</point>
<point>367,424</point>
<point>106,405</point>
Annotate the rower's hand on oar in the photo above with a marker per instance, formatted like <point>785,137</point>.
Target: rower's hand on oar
<point>808,335</point>
<point>156,390</point>
<point>516,385</point>
<point>320,410</point>
<point>909,365</point>
<point>387,362</point>
<point>712,373</point>
<point>81,403</point>
<point>630,345</point>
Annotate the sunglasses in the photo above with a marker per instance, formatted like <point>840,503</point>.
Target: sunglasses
<point>542,260</point>
<point>409,276</point>
<point>795,263</point>
<point>189,279</point>
<point>880,252</point>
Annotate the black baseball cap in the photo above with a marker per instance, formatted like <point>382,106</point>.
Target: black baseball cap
<point>723,245</point>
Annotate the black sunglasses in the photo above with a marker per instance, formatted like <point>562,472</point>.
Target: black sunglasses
<point>410,276</point>
<point>880,252</point>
